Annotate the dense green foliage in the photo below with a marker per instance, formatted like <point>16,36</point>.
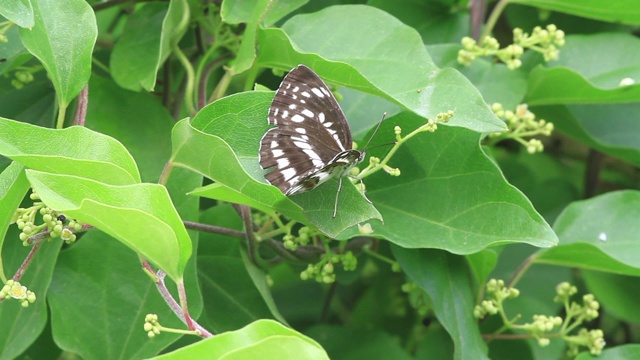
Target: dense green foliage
<point>137,126</point>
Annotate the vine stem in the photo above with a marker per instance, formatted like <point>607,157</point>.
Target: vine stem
<point>172,303</point>
<point>493,19</point>
<point>522,269</point>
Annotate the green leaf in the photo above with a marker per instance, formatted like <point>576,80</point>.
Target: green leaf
<point>264,339</point>
<point>609,128</point>
<point>445,279</point>
<point>616,293</point>
<point>136,55</point>
<point>243,11</point>
<point>13,187</point>
<point>621,11</point>
<point>138,120</point>
<point>20,326</point>
<point>146,43</point>
<point>62,38</point>
<point>231,159</point>
<point>589,71</point>
<point>20,12</point>
<point>435,21</point>
<point>609,243</point>
<point>121,295</point>
<point>72,151</point>
<point>249,12</point>
<point>451,191</point>
<point>622,352</point>
<point>140,216</point>
<point>211,156</point>
<point>339,342</point>
<point>391,62</point>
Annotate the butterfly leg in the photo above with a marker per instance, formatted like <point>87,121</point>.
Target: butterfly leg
<point>362,186</point>
<point>335,206</point>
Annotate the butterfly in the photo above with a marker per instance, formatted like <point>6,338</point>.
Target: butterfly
<point>311,142</point>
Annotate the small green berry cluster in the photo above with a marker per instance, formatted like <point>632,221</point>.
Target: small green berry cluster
<point>521,123</point>
<point>151,325</point>
<point>417,298</point>
<point>292,242</point>
<point>323,271</point>
<point>22,76</point>
<point>52,220</point>
<point>545,41</point>
<point>13,289</point>
<point>542,326</point>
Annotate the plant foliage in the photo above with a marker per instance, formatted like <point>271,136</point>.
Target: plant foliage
<point>136,220</point>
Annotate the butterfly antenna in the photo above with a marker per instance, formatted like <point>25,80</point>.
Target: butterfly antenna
<point>384,115</point>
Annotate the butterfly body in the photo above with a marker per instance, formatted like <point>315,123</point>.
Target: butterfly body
<point>311,141</point>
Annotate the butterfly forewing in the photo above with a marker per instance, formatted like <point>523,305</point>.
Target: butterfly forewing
<point>310,131</point>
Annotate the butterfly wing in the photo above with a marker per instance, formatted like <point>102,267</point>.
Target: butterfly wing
<point>310,131</point>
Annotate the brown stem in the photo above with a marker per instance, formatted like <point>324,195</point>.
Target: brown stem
<point>214,229</point>
<point>172,303</point>
<point>595,161</point>
<point>81,108</point>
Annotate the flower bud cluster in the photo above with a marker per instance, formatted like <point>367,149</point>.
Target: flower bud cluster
<point>417,297</point>
<point>292,242</point>
<point>542,325</point>
<point>496,294</point>
<point>13,289</point>
<point>592,339</point>
<point>56,223</point>
<point>323,271</point>
<point>151,325</point>
<point>522,123</point>
<point>545,41</point>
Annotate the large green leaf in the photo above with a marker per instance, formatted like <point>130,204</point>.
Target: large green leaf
<point>388,59</point>
<point>610,128</point>
<point>137,119</point>
<point>445,279</point>
<point>73,151</point>
<point>589,71</point>
<point>372,344</point>
<point>109,323</point>
<point>435,21</point>
<point>599,234</point>
<point>263,339</point>
<point>616,293</point>
<point>62,38</point>
<point>136,55</point>
<point>13,187</point>
<point>450,195</point>
<point>140,216</point>
<point>230,157</point>
<point>620,11</point>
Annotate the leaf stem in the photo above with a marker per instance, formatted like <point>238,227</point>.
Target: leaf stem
<point>62,111</point>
